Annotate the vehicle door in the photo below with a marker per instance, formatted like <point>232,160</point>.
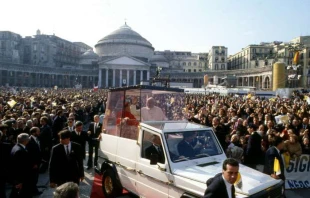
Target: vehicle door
<point>152,180</point>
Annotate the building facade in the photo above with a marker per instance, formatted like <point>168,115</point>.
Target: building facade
<point>126,58</point>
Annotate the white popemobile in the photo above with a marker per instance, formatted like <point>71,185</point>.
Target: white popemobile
<point>175,170</point>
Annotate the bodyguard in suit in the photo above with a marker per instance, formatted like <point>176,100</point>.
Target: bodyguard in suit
<point>79,136</point>
<point>70,125</point>
<point>5,151</point>
<point>46,143</point>
<point>272,153</point>
<point>21,168</point>
<point>66,164</point>
<point>155,148</point>
<point>222,184</point>
<point>94,131</point>
<point>58,125</point>
<point>254,153</point>
<point>34,150</point>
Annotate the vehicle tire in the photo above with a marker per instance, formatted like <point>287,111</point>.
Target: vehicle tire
<point>110,186</point>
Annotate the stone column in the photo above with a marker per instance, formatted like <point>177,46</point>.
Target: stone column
<point>141,75</point>
<point>148,75</point>
<point>121,77</point>
<point>127,77</point>
<point>100,78</point>
<point>134,77</point>
<point>106,77</point>
<point>113,77</point>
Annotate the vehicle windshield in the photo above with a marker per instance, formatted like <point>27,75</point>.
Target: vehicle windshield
<point>190,145</point>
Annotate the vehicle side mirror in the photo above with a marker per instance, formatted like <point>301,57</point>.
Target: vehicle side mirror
<point>153,159</point>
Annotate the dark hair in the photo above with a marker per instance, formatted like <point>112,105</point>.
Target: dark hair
<point>231,162</point>
<point>78,123</point>
<point>64,134</point>
<point>277,140</point>
<point>33,130</point>
<point>44,118</point>
<point>67,190</point>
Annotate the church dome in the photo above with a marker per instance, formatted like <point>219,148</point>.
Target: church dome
<point>124,41</point>
<point>89,54</point>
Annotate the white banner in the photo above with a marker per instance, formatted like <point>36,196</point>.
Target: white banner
<point>298,173</point>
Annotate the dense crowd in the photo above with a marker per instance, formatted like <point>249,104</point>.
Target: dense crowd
<point>245,126</point>
<point>42,114</point>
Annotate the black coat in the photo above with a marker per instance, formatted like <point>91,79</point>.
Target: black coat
<point>34,152</point>
<point>94,132</point>
<point>46,138</point>
<point>20,164</point>
<point>254,153</point>
<point>65,168</point>
<point>186,149</point>
<point>81,140</point>
<point>270,155</point>
<point>216,187</point>
<point>58,125</point>
<point>5,151</point>
<point>152,150</point>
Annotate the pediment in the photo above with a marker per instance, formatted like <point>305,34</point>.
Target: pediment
<point>124,60</point>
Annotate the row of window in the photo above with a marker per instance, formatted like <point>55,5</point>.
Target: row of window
<point>190,64</point>
<point>194,70</point>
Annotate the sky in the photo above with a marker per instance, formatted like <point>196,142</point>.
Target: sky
<point>176,25</point>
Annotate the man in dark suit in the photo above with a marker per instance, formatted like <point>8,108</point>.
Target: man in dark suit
<point>156,148</point>
<point>66,162</point>
<point>70,125</point>
<point>272,153</point>
<point>21,168</point>
<point>185,147</point>
<point>79,136</point>
<point>218,185</point>
<point>5,151</point>
<point>34,150</point>
<point>254,153</point>
<point>58,125</point>
<point>94,132</point>
<point>46,143</point>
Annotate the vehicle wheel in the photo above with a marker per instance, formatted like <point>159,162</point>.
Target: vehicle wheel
<point>110,187</point>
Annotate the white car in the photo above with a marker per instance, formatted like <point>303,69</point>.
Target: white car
<point>176,170</point>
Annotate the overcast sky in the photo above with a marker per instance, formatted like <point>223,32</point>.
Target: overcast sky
<point>191,25</point>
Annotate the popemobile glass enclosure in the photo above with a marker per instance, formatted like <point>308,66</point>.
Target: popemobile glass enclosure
<point>128,106</point>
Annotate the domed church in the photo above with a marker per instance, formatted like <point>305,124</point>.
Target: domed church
<point>123,58</point>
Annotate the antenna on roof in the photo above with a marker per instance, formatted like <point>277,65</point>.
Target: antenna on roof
<point>125,21</point>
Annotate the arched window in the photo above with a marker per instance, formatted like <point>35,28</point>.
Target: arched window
<point>222,66</point>
<point>216,66</point>
<point>189,70</point>
<point>200,64</point>
<point>189,64</point>
<point>194,70</point>
<point>184,63</point>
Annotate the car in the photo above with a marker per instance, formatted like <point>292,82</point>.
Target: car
<point>166,156</point>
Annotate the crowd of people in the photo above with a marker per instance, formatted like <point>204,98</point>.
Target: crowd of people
<point>247,126</point>
<point>36,127</point>
<point>38,119</point>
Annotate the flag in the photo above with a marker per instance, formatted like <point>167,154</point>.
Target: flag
<point>296,57</point>
<point>96,88</point>
<point>249,96</point>
<point>238,182</point>
<point>287,159</point>
<point>31,98</point>
<point>276,166</point>
<point>12,103</point>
